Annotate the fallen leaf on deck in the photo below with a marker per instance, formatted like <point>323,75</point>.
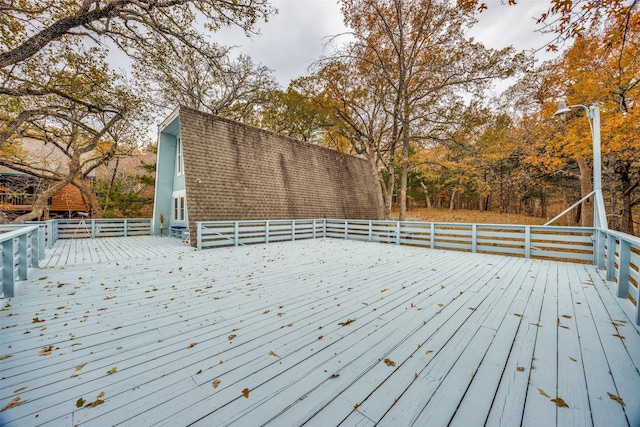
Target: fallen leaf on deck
<point>94,403</point>
<point>245,393</point>
<point>80,366</point>
<point>346,322</point>
<point>280,314</point>
<point>18,390</point>
<point>383,290</point>
<point>415,376</point>
<point>428,351</point>
<point>17,401</point>
<point>36,320</point>
<point>6,356</point>
<point>272,353</point>
<point>520,368</point>
<point>566,316</point>
<point>618,336</point>
<point>287,326</point>
<point>46,351</point>
<point>266,311</point>
<point>193,344</point>
<point>112,370</point>
<point>199,372</point>
<point>542,392</point>
<point>389,362</point>
<point>616,398</point>
<point>517,314</point>
<point>80,403</point>
<point>232,336</point>
<point>560,403</point>
<point>536,324</point>
<point>573,359</point>
<point>100,395</point>
<point>320,337</point>
<point>109,297</point>
<point>216,383</point>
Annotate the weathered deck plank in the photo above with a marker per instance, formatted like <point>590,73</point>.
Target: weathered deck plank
<point>320,332</point>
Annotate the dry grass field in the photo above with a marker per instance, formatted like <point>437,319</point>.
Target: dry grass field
<point>473,216</point>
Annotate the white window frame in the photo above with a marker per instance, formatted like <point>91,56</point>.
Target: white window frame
<point>179,206</point>
<point>179,161</point>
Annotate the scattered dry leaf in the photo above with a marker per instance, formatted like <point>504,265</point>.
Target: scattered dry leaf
<point>542,392</point>
<point>232,336</point>
<point>346,322</point>
<point>520,368</point>
<point>80,403</point>
<point>618,336</point>
<point>17,401</point>
<point>46,351</point>
<point>517,314</point>
<point>566,316</point>
<point>37,320</point>
<point>6,356</point>
<point>272,353</point>
<point>112,370</point>
<point>18,390</point>
<point>245,393</point>
<point>80,366</point>
<point>216,383</point>
<point>573,359</point>
<point>560,403</point>
<point>383,290</point>
<point>536,324</point>
<point>389,362</point>
<point>100,395</point>
<point>616,398</point>
<point>94,403</point>
<point>428,351</point>
<point>193,344</point>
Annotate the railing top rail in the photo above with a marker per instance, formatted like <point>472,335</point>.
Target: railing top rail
<point>16,232</point>
<point>635,241</point>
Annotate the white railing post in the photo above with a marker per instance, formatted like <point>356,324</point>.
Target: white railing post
<point>93,228</point>
<point>8,268</point>
<point>313,230</point>
<point>611,257</point>
<point>199,236</point>
<point>474,238</point>
<point>346,230</point>
<point>266,231</point>
<point>23,256</point>
<point>623,268</point>
<point>598,250</point>
<point>293,230</point>
<point>324,228</point>
<point>236,233</point>
<point>126,231</point>
<point>527,241</point>
<point>432,237</point>
<point>398,233</point>
<point>370,231</point>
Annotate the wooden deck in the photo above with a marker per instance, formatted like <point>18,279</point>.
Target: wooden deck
<point>319,332</point>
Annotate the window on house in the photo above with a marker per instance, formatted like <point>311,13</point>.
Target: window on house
<point>179,165</point>
<point>179,206</point>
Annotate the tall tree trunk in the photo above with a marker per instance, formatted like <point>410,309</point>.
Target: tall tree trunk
<point>404,176</point>
<point>586,187</point>
<point>392,181</point>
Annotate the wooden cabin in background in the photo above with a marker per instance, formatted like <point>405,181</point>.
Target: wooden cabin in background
<point>18,193</point>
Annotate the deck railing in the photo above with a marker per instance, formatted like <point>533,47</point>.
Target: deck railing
<point>93,228</point>
<point>22,248</point>
<point>566,243</point>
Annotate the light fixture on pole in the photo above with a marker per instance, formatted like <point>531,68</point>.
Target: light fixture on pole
<point>593,116</point>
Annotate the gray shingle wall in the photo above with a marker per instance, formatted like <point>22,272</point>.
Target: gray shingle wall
<point>237,172</point>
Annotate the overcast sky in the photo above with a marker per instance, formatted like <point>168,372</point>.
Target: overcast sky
<point>295,37</point>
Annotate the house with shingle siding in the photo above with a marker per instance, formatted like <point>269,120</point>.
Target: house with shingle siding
<point>214,169</point>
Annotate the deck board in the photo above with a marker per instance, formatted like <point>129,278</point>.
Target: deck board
<point>306,326</point>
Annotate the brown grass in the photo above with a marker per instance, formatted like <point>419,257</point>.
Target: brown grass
<point>470,217</point>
